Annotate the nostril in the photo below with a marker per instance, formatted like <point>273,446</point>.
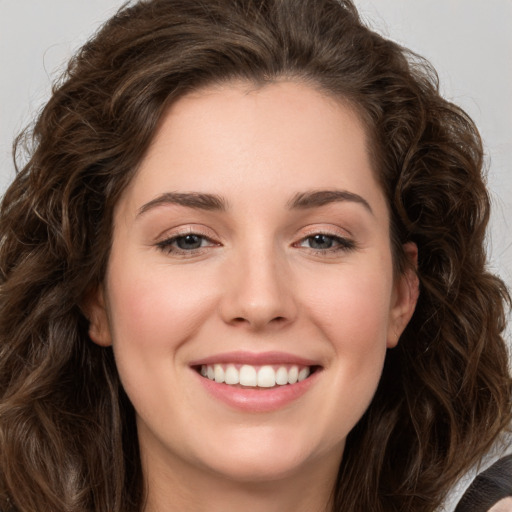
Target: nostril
<point>256,321</point>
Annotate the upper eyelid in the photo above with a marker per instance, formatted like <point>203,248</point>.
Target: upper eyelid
<point>168,245</point>
<point>187,229</point>
<point>344,239</point>
<point>303,233</point>
<point>325,233</point>
<point>172,238</point>
<point>326,229</point>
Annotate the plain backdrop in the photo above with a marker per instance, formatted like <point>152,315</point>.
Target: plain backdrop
<point>468,41</point>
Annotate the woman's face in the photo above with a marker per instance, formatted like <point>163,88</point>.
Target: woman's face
<point>252,246</point>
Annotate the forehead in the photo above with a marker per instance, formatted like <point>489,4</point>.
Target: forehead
<point>278,137</point>
<point>263,111</point>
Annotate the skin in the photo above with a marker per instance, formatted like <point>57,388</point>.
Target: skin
<point>258,283</point>
<point>504,505</point>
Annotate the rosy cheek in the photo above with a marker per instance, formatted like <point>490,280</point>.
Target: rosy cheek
<point>353,307</point>
<point>156,304</point>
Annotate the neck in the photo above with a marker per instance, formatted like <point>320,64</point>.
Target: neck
<point>185,489</point>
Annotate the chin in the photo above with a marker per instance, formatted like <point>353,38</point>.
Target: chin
<point>266,456</point>
<point>258,469</point>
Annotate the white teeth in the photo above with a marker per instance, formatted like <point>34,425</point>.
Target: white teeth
<point>293,375</point>
<point>231,376</point>
<point>219,373</point>
<point>303,374</point>
<point>282,376</point>
<point>265,376</point>
<point>248,375</point>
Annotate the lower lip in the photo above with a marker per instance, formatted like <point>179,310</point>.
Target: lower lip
<point>261,399</point>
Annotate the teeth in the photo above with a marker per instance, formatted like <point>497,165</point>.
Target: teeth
<point>282,376</point>
<point>293,375</point>
<point>266,376</point>
<point>303,374</point>
<point>231,376</point>
<point>218,372</point>
<point>248,376</point>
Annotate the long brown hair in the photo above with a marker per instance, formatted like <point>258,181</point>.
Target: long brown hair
<point>68,440</point>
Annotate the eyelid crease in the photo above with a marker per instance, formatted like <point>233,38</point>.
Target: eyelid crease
<point>184,230</point>
<point>325,228</point>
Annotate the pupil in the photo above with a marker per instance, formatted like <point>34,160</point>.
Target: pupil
<point>189,242</point>
<point>321,242</point>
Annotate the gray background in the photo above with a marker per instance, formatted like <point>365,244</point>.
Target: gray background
<point>468,41</point>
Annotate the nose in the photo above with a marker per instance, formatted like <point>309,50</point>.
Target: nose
<point>258,292</point>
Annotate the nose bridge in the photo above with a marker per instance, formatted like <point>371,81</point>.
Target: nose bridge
<point>258,291</point>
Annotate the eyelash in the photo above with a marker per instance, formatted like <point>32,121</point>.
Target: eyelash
<point>340,244</point>
<point>168,247</point>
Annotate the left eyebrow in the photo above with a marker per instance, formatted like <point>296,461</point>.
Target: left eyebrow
<point>314,199</point>
<point>189,199</point>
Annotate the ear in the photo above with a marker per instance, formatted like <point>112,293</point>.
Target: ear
<point>405,296</point>
<point>94,308</point>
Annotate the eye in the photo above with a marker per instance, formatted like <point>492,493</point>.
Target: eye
<point>322,242</point>
<point>185,243</point>
<point>189,242</point>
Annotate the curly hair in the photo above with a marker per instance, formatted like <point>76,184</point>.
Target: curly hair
<point>68,439</point>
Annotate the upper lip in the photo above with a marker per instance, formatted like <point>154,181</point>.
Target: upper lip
<point>254,359</point>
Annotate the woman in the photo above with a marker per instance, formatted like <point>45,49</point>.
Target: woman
<point>243,268</point>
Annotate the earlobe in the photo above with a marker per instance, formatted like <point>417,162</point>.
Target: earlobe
<point>95,311</point>
<point>407,290</point>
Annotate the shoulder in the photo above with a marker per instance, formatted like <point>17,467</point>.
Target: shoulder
<point>488,488</point>
<point>485,484</point>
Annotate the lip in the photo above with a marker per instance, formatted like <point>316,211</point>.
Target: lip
<point>256,400</point>
<point>255,359</point>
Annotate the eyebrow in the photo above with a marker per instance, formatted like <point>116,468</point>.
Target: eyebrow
<point>213,202</point>
<point>196,200</point>
<point>318,198</point>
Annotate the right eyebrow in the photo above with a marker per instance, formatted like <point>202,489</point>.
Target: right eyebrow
<point>189,199</point>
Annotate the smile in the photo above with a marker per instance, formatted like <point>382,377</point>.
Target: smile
<point>256,382</point>
<point>266,376</point>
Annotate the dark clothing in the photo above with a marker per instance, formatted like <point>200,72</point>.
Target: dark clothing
<point>489,487</point>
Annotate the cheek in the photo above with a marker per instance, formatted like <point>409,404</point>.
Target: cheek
<point>353,309</point>
<point>352,313</point>
<point>156,308</point>
<point>153,313</point>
